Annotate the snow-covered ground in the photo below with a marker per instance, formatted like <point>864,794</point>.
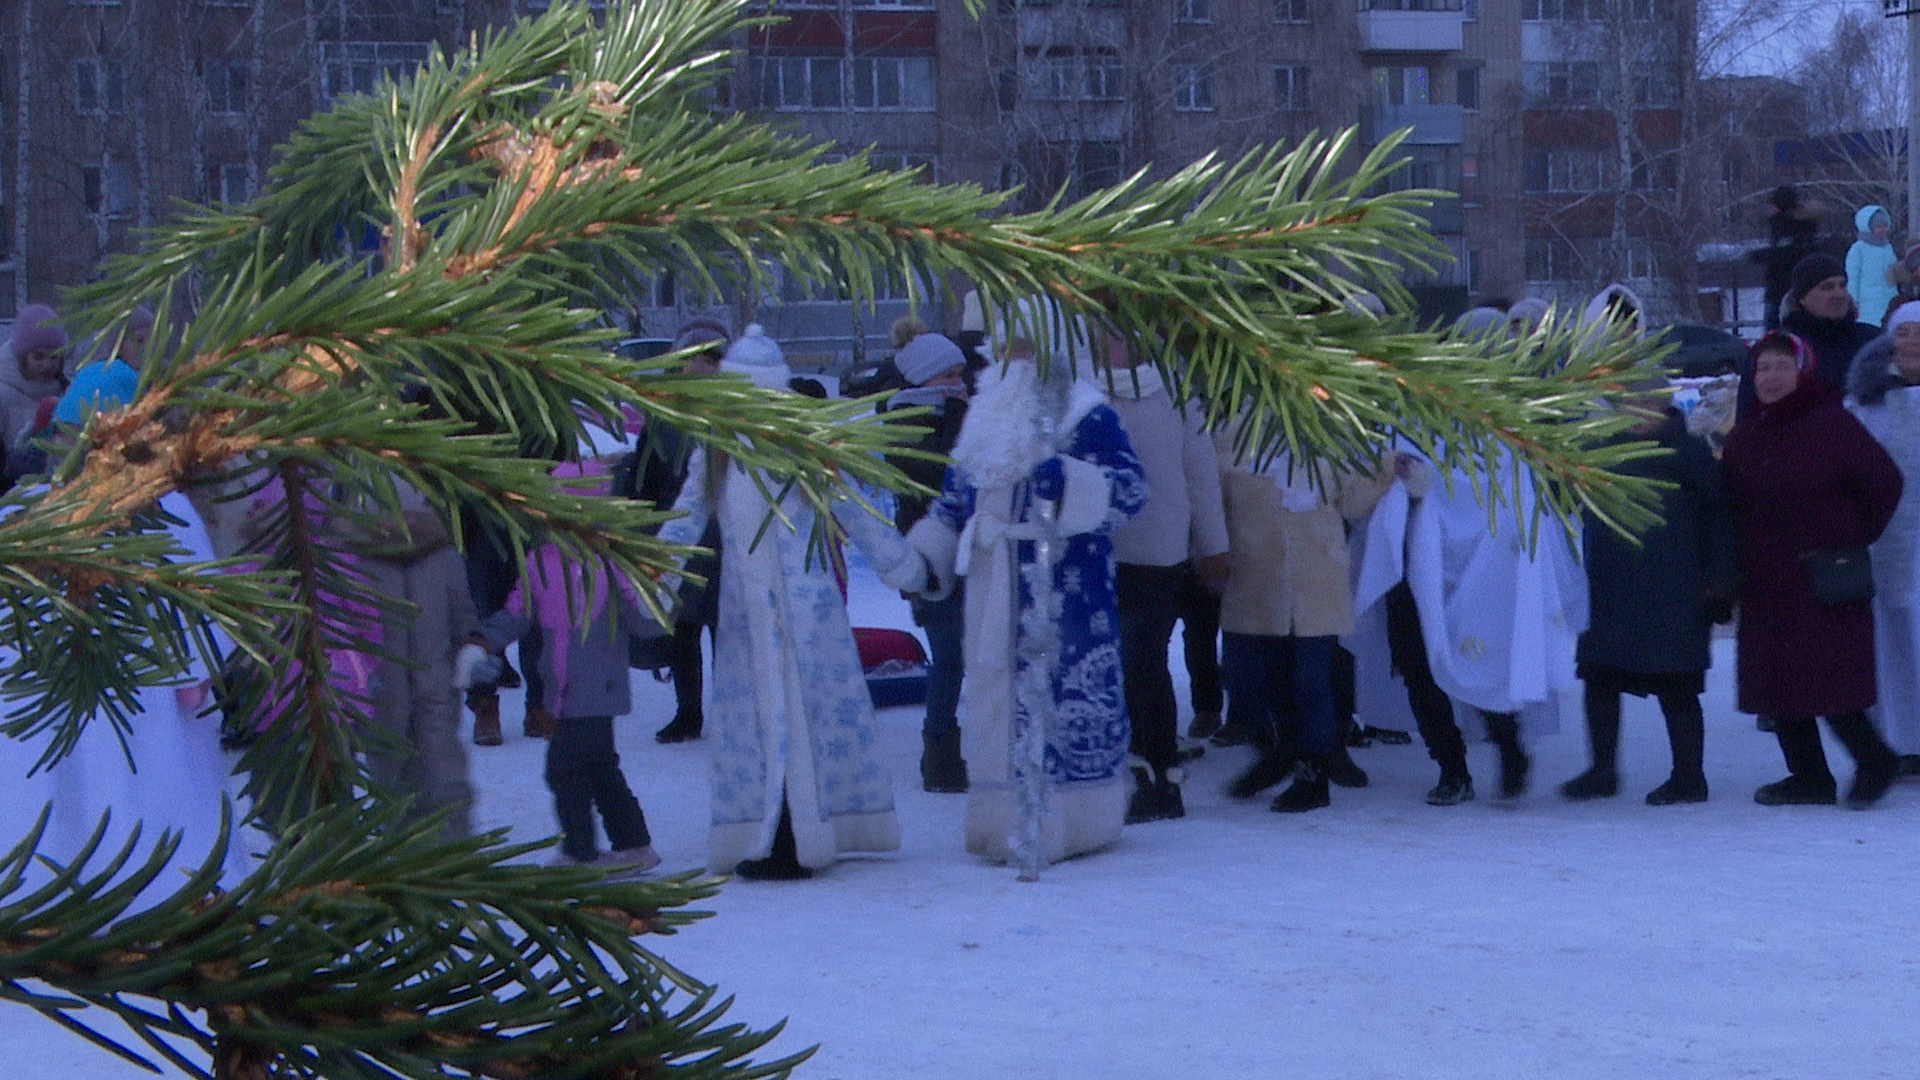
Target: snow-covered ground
<point>1378,938</point>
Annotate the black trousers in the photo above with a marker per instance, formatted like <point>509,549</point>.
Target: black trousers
<point>583,772</point>
<point>1200,637</point>
<point>688,678</point>
<point>1432,708</point>
<point>1149,602</point>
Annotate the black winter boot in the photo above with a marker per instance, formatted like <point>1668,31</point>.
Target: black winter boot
<point>783,862</point>
<point>1267,770</point>
<point>1875,763</point>
<point>1504,730</point>
<point>684,727</point>
<point>942,770</point>
<point>1155,798</point>
<point>1686,734</point>
<point>1810,782</point>
<point>1595,783</point>
<point>1308,792</point>
<point>1456,783</point>
<point>1204,725</point>
<point>1341,769</point>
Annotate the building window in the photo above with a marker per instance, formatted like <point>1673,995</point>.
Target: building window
<point>1293,11</point>
<point>90,188</point>
<point>1193,11</point>
<point>893,83</point>
<point>1192,88</point>
<point>355,67</point>
<point>1470,180</point>
<point>1561,82</point>
<point>1067,74</point>
<point>1096,166</point>
<point>236,187</point>
<point>98,85</point>
<point>119,189</point>
<point>1412,5</point>
<point>1562,10</point>
<point>1476,280</point>
<point>1467,87</point>
<point>1642,262</point>
<point>1433,168</point>
<point>1402,85</point>
<point>1106,77</point>
<point>1292,88</point>
<point>1656,173</point>
<point>880,83</point>
<point>1654,85</point>
<point>796,82</point>
<point>1572,171</point>
<point>227,88</point>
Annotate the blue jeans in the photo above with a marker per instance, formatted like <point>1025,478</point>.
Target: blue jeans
<point>1265,674</point>
<point>945,624</point>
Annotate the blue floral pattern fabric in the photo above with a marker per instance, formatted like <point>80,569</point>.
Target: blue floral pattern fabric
<point>788,710</point>
<point>1090,736</point>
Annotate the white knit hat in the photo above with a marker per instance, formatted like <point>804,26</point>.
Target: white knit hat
<point>758,357</point>
<point>927,355</point>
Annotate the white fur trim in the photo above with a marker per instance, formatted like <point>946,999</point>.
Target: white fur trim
<point>1088,497</point>
<point>939,549</point>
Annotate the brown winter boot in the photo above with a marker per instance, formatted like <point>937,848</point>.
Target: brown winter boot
<point>486,722</point>
<point>539,723</point>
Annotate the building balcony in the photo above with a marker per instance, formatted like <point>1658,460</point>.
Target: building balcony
<point>1423,26</point>
<point>1433,125</point>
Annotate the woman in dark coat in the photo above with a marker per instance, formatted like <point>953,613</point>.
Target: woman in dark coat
<point>1806,477</point>
<point>1654,603</point>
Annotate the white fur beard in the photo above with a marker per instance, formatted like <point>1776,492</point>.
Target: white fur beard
<point>1000,442</point>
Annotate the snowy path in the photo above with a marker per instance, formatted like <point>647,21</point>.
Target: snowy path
<point>1381,938</point>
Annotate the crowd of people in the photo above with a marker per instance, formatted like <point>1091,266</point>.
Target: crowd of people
<point>1085,514</point>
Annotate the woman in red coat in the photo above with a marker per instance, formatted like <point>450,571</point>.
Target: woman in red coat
<point>1806,477</point>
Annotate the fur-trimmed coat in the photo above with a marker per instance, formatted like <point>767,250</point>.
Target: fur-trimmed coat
<point>981,527</point>
<point>788,711</point>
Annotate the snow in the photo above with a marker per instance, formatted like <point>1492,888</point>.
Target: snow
<point>1380,938</point>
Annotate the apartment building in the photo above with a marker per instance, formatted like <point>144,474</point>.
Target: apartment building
<point>1074,95</point>
<point>114,111</point>
<point>111,111</point>
<point>1612,190</point>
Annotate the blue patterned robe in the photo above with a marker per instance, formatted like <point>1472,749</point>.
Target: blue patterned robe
<point>1087,746</point>
<point>787,709</point>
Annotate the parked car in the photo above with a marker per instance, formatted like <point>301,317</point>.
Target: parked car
<point>1703,351</point>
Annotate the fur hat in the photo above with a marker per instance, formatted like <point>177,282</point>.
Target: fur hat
<point>34,328</point>
<point>1813,270</point>
<point>759,358</point>
<point>927,355</point>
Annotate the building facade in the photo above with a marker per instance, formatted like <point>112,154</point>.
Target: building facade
<point>113,111</point>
